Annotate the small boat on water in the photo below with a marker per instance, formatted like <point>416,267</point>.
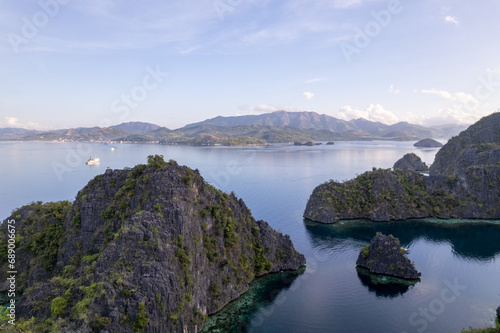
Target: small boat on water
<point>92,161</point>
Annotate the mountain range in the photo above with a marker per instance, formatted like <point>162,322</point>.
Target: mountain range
<point>275,127</point>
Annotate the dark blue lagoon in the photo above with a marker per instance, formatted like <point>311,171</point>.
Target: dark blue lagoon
<point>459,260</point>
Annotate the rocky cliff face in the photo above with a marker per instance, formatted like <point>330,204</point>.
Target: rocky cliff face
<point>385,195</point>
<point>150,249</point>
<point>473,159</point>
<point>412,162</point>
<point>464,182</point>
<point>384,255</point>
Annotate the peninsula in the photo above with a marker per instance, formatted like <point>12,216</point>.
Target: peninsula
<point>464,182</point>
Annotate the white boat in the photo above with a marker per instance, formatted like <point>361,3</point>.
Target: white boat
<point>92,161</point>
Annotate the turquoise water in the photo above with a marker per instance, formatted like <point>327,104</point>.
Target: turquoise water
<point>459,262</point>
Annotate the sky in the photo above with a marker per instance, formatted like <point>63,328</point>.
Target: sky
<point>67,63</point>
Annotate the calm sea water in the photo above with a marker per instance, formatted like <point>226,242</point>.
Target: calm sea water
<point>459,262</point>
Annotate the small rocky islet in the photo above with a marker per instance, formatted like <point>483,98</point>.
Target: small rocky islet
<point>463,182</point>
<point>428,143</point>
<point>384,255</point>
<point>412,162</point>
<point>149,249</point>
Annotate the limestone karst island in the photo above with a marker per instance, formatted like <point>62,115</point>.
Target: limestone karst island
<point>463,183</point>
<point>149,249</point>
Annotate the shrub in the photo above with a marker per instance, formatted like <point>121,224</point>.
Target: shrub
<point>215,289</point>
<point>99,322</point>
<point>158,207</point>
<point>141,320</point>
<point>125,293</point>
<point>90,258</point>
<point>58,305</point>
<point>366,251</point>
<point>187,179</point>
<point>156,161</point>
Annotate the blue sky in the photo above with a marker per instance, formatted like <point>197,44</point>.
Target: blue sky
<point>94,63</point>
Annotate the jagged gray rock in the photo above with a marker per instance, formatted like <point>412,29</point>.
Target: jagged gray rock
<point>428,143</point>
<point>384,255</point>
<point>464,182</point>
<point>412,162</point>
<point>154,248</point>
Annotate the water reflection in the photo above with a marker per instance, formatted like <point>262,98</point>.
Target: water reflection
<point>475,241</point>
<point>384,286</point>
<point>259,301</point>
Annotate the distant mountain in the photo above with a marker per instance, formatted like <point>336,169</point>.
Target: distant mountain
<point>449,130</point>
<point>13,133</point>
<point>275,127</point>
<point>313,120</point>
<point>208,134</point>
<point>136,127</point>
<point>81,133</point>
<point>76,131</point>
<point>151,136</point>
<point>303,119</point>
<point>412,130</point>
<point>371,127</point>
<point>104,134</point>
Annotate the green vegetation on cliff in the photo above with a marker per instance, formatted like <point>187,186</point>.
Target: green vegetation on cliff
<point>471,147</point>
<point>495,329</point>
<point>464,182</point>
<point>148,248</point>
<point>384,255</point>
<point>382,195</point>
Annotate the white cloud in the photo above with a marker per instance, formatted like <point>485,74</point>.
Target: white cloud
<point>263,108</point>
<point>451,19</point>
<point>14,122</point>
<point>464,109</point>
<point>345,3</point>
<point>493,70</point>
<point>11,121</point>
<point>374,112</point>
<point>441,93</point>
<point>453,115</point>
<point>393,90</point>
<point>459,97</point>
<point>317,79</point>
<point>308,94</point>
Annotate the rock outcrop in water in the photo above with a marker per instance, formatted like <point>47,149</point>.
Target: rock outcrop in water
<point>412,162</point>
<point>464,182</point>
<point>384,255</point>
<point>428,143</point>
<point>149,249</point>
